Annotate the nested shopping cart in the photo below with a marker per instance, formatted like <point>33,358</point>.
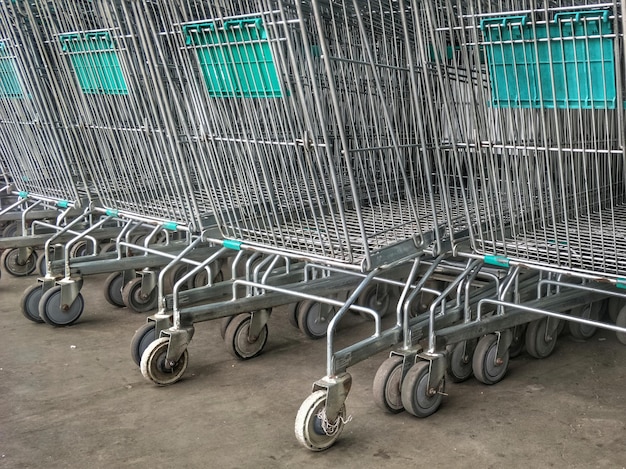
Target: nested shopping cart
<point>116,133</point>
<point>41,175</point>
<point>306,122</point>
<point>539,140</point>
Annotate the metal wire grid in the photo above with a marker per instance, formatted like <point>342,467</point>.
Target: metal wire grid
<point>108,88</point>
<point>545,178</point>
<point>35,150</point>
<point>337,160</point>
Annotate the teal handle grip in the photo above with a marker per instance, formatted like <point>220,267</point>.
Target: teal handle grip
<point>577,16</point>
<point>503,22</point>
<point>499,261</point>
<point>232,244</point>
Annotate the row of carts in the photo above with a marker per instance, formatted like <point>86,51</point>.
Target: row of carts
<point>458,165</point>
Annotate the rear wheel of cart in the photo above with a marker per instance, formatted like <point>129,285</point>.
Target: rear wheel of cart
<point>16,266</point>
<point>238,339</point>
<point>313,318</point>
<point>487,367</point>
<point>460,360</point>
<point>56,314</point>
<point>540,341</point>
<point>29,303</point>
<point>143,337</point>
<point>418,397</point>
<point>593,312</point>
<point>388,385</point>
<point>113,286</point>
<point>137,301</point>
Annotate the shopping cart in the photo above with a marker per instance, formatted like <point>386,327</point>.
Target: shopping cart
<point>117,137</point>
<point>307,124</point>
<point>541,147</point>
<point>41,177</point>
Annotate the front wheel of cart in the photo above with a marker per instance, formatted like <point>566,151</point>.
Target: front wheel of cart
<point>143,337</point>
<point>487,367</point>
<point>388,385</point>
<point>224,322</point>
<point>313,429</point>
<point>460,360</point>
<point>313,318</point>
<point>29,303</point>
<point>238,340</point>
<point>56,314</point>
<point>113,286</point>
<point>418,398</point>
<point>292,314</point>
<point>156,368</point>
<point>137,301</point>
<point>540,342</point>
<point>16,266</point>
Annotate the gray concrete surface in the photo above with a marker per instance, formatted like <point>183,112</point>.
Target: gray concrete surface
<point>72,398</point>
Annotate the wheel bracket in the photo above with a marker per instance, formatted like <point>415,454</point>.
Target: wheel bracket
<point>337,389</point>
<point>179,340</point>
<point>258,320</point>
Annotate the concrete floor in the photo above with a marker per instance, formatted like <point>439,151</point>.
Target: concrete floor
<point>72,398</point>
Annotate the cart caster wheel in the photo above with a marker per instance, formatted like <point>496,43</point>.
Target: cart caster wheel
<point>417,399</point>
<point>388,385</point>
<point>42,268</point>
<point>614,306</point>
<point>81,249</point>
<point>135,300</point>
<point>486,369</point>
<point>517,345</point>
<point>239,343</point>
<point>377,297</point>
<point>460,361</point>
<point>292,314</point>
<point>53,313</point>
<point>107,248</point>
<point>312,429</point>
<point>29,303</point>
<point>174,275</point>
<point>113,286</point>
<point>538,343</point>
<point>224,322</point>
<point>620,321</point>
<point>155,368</point>
<point>19,267</point>
<point>10,231</point>
<point>313,319</point>
<point>143,337</point>
<point>592,311</point>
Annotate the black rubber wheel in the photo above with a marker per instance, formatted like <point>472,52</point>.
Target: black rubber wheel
<point>387,386</point>
<point>460,361</point>
<point>10,231</point>
<point>113,286</point>
<point>41,265</point>
<point>143,337</point>
<point>135,300</point>
<point>238,341</point>
<point>19,267</point>
<point>486,368</point>
<point>538,343</point>
<point>312,320</point>
<point>417,398</point>
<point>29,303</point>
<point>174,275</point>
<point>53,313</point>
<point>614,306</point>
